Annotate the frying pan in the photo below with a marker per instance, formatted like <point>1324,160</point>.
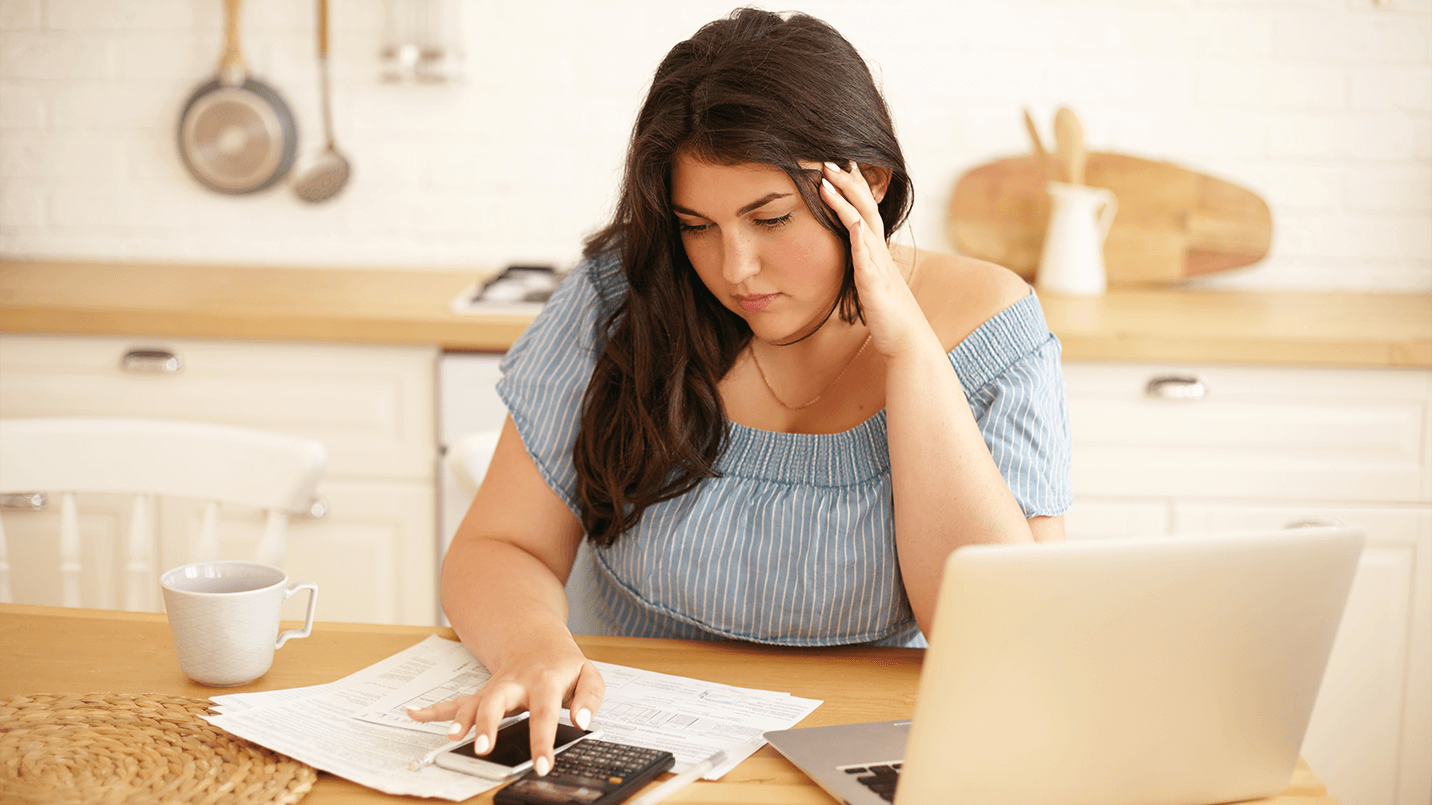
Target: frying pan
<point>237,134</point>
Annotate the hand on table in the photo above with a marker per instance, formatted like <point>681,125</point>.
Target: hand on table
<point>541,682</point>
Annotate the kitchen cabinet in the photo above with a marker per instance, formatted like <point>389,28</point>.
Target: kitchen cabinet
<point>372,550</point>
<point>1166,449</point>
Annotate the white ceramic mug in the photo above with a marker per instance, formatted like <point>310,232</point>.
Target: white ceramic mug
<point>1072,260</point>
<point>224,616</point>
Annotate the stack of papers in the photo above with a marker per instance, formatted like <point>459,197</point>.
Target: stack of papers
<point>357,728</point>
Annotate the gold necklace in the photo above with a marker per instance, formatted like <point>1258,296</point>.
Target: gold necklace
<point>817,398</point>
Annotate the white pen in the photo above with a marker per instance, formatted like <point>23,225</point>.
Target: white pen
<point>681,780</point>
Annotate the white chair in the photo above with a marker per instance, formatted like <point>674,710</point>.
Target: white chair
<point>149,460</point>
<point>468,458</point>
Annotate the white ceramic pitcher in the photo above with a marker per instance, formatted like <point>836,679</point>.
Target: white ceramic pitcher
<point>1072,261</point>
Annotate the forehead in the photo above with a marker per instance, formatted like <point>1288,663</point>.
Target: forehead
<point>715,189</point>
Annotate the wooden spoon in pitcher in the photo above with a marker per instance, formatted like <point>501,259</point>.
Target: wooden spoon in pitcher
<point>1069,145</point>
<point>1038,143</point>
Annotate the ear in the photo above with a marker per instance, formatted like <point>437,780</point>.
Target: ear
<point>879,180</point>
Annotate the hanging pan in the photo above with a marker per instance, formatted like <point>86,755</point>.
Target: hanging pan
<point>237,134</point>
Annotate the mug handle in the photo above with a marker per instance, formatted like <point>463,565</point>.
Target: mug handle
<point>312,589</point>
<point>1106,216</point>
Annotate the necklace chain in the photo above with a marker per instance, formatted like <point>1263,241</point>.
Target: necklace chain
<point>817,398</point>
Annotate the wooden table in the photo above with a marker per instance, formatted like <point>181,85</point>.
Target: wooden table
<point>54,650</point>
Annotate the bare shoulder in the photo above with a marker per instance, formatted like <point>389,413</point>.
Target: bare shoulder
<point>958,294</point>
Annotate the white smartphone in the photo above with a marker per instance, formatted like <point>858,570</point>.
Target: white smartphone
<point>512,754</point>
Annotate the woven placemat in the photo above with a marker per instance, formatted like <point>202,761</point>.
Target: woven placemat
<point>134,748</point>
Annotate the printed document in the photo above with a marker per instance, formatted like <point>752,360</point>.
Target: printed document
<point>357,728</point>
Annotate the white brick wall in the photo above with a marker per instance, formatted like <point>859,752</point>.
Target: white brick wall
<point>1324,107</point>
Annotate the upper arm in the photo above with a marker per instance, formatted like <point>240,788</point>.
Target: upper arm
<point>514,504</point>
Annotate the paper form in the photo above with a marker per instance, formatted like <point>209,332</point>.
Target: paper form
<point>319,728</point>
<point>689,718</point>
<point>358,728</point>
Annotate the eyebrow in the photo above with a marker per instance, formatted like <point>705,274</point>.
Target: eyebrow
<point>755,205</point>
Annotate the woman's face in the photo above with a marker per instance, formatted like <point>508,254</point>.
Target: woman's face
<point>756,246</point>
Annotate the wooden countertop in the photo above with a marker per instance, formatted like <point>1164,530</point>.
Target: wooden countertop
<point>54,650</point>
<point>411,307</point>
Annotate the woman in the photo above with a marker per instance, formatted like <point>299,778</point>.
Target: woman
<point>743,388</point>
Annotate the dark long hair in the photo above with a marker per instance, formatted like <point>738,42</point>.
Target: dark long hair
<point>755,87</point>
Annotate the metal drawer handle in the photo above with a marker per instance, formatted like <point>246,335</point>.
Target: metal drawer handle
<point>1177,387</point>
<point>23,501</point>
<point>151,362</point>
<point>1313,522</point>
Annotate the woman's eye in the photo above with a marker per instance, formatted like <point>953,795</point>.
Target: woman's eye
<point>691,229</point>
<point>773,223</point>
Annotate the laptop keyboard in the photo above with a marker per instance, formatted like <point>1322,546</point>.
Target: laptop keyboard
<point>881,779</point>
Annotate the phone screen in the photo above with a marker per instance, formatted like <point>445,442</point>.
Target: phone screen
<point>514,744</point>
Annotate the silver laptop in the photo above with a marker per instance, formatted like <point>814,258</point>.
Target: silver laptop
<point>1161,671</point>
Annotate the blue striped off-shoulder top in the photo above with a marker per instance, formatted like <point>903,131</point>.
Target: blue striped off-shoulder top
<point>795,543</point>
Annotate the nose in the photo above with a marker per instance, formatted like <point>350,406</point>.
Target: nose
<point>739,260</point>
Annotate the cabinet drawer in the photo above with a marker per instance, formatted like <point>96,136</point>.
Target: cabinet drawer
<point>1300,434</point>
<point>372,406</point>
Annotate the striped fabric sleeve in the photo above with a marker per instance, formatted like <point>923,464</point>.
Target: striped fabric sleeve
<point>1010,370</point>
<point>546,371</point>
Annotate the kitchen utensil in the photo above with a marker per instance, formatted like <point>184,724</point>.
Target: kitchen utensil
<point>1036,140</point>
<point>1072,259</point>
<point>1173,223</point>
<point>1069,142</point>
<point>327,176</point>
<point>236,134</point>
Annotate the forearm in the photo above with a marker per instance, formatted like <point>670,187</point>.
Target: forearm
<point>502,600</point>
<point>947,489</point>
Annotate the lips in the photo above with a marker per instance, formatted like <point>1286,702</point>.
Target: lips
<point>756,302</point>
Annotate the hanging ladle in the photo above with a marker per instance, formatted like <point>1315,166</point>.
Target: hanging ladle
<point>329,174</point>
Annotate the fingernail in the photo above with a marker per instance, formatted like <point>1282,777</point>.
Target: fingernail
<point>480,745</point>
<point>542,765</point>
<point>833,166</point>
<point>583,718</point>
<point>455,731</point>
<point>827,185</point>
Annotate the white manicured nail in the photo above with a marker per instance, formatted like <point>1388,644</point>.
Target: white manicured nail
<point>480,745</point>
<point>542,765</point>
<point>455,731</point>
<point>583,718</point>
<point>833,166</point>
<point>827,185</point>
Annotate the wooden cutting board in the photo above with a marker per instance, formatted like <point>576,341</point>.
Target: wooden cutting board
<point>1172,223</point>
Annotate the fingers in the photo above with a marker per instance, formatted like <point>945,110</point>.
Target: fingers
<point>485,717</point>
<point>582,699</point>
<point>587,695</point>
<point>848,193</point>
<point>543,689</point>
<point>442,711</point>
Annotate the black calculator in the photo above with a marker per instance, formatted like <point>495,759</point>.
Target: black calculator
<point>590,772</point>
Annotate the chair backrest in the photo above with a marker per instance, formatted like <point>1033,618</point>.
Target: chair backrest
<point>153,459</point>
<point>468,457</point>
